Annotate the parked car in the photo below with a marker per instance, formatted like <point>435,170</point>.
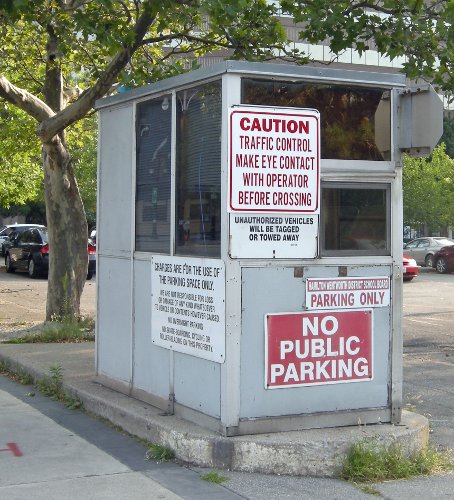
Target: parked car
<point>423,249</point>
<point>410,268</point>
<point>29,251</point>
<point>11,230</point>
<point>91,247</point>
<point>93,235</point>
<point>444,259</point>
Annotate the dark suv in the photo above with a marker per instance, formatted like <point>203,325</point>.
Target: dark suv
<point>29,251</point>
<point>10,231</point>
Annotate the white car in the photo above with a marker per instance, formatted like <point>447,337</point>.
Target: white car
<point>423,249</point>
<point>9,229</point>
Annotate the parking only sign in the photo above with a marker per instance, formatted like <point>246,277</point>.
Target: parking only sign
<point>316,348</point>
<point>348,293</point>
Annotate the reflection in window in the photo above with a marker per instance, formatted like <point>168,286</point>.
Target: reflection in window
<point>153,144</point>
<point>355,221</point>
<point>355,121</point>
<point>198,172</point>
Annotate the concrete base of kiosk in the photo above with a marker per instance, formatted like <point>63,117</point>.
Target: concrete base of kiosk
<point>309,452</point>
<point>312,452</point>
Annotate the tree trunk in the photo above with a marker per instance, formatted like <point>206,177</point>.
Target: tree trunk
<point>67,227</point>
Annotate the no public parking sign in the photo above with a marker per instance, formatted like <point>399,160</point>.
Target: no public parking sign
<point>274,160</point>
<point>314,348</point>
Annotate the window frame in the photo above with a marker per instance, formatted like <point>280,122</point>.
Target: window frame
<point>137,105</point>
<point>172,93</point>
<point>386,252</point>
<point>178,249</point>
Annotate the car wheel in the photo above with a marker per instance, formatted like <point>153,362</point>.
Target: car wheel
<point>429,261</point>
<point>9,266</point>
<point>442,265</point>
<point>89,275</point>
<point>408,279</point>
<point>32,271</point>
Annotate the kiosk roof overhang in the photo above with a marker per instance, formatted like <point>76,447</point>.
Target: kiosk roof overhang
<point>255,69</point>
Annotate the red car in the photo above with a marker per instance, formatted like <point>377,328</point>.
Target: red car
<point>444,259</point>
<point>410,268</point>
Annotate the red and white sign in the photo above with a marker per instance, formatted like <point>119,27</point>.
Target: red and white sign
<point>347,293</point>
<point>315,348</point>
<point>274,160</point>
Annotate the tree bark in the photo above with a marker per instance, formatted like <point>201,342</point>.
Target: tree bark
<point>66,220</point>
<point>67,228</point>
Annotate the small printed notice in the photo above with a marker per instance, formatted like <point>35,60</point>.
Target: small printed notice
<point>188,306</point>
<point>270,236</point>
<point>347,293</point>
<point>316,348</point>
<point>274,156</point>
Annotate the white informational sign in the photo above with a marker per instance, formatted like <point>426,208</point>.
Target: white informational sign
<point>274,156</point>
<point>188,306</point>
<point>347,293</point>
<point>271,236</point>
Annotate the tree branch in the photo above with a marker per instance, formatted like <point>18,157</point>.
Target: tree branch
<point>89,57</point>
<point>126,11</point>
<point>71,5</point>
<point>77,110</point>
<point>190,38</point>
<point>29,103</point>
<point>374,7</point>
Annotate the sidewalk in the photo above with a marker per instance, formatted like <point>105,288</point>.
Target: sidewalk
<point>67,454</point>
<point>145,421</point>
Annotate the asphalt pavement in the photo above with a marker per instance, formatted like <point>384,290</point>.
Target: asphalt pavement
<point>428,319</point>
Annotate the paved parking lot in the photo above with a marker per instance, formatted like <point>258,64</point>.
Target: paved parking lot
<point>429,352</point>
<point>23,301</point>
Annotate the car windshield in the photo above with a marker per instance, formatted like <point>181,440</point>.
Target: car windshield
<point>44,235</point>
<point>7,231</point>
<point>442,242</point>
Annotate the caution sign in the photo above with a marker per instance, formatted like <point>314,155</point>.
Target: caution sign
<point>188,306</point>
<point>274,160</point>
<point>315,348</point>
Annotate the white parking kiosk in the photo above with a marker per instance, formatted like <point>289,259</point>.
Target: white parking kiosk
<point>250,244</point>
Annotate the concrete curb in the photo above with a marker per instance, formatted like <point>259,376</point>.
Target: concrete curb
<point>317,452</point>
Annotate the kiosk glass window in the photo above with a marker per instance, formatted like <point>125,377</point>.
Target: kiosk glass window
<point>198,171</point>
<point>355,121</point>
<point>355,220</point>
<point>153,164</point>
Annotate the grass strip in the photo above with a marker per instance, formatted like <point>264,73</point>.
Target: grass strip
<point>59,332</point>
<point>213,477</point>
<point>372,461</point>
